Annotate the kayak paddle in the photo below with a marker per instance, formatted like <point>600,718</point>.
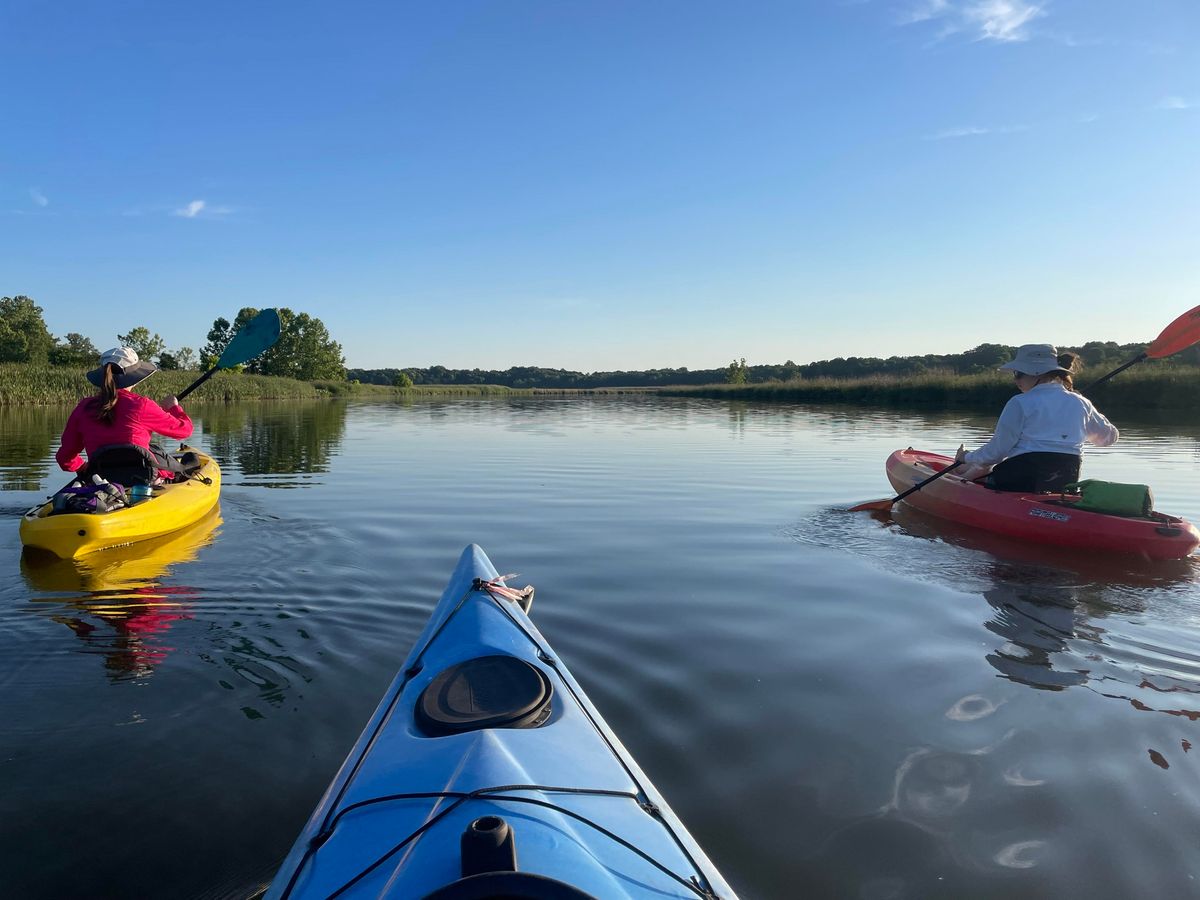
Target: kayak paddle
<point>1175,338</point>
<point>887,504</point>
<point>256,336</point>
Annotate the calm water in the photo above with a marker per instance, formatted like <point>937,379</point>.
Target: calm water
<point>837,705</point>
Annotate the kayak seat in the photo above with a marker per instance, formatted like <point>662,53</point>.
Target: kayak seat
<point>127,464</point>
<point>486,692</point>
<point>131,464</point>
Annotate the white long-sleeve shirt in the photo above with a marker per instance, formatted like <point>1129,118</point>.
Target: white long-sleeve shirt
<point>1047,418</point>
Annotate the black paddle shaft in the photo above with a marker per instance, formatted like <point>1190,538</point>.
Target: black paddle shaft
<point>934,477</point>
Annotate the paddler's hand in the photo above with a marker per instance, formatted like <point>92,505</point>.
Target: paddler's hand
<point>961,455</point>
<point>169,402</point>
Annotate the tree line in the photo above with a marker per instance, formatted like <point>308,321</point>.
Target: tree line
<point>984,358</point>
<point>305,351</point>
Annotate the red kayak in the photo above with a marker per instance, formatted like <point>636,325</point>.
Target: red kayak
<point>1048,518</point>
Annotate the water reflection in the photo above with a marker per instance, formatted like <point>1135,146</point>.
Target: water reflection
<point>293,439</point>
<point>29,437</point>
<point>1048,609</point>
<point>1037,624</point>
<point>120,608</point>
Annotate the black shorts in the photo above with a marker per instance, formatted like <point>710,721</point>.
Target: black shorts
<point>1035,472</point>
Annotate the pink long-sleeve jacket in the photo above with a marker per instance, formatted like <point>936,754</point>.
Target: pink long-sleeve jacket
<point>134,418</point>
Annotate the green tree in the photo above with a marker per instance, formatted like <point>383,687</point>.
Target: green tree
<point>146,345</point>
<point>402,380</point>
<point>735,373</point>
<point>219,337</point>
<point>304,351</point>
<point>23,333</point>
<point>74,350</point>
<point>186,357</point>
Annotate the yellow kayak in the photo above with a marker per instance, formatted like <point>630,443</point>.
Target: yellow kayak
<point>171,507</point>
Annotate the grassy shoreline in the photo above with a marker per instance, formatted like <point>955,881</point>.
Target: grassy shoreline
<point>1149,387</point>
<point>25,385</point>
<point>1175,387</point>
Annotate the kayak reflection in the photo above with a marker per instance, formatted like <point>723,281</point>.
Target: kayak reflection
<point>1052,610</point>
<point>121,608</point>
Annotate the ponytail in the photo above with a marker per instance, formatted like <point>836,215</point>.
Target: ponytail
<point>105,401</point>
<point>1070,362</point>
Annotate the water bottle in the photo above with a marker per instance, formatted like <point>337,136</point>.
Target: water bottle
<point>140,492</point>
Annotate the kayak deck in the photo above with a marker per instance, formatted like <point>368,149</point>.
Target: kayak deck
<point>581,812</point>
<point>173,506</point>
<point>1048,518</point>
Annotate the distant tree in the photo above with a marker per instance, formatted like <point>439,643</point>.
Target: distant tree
<point>74,350</point>
<point>23,333</point>
<point>984,358</point>
<point>402,380</point>
<point>186,357</point>
<point>167,361</point>
<point>146,345</point>
<point>735,372</point>
<point>219,337</point>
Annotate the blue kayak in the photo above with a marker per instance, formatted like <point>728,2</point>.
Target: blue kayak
<point>487,772</point>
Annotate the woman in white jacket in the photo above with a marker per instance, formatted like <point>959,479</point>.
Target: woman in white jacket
<point>1038,444</point>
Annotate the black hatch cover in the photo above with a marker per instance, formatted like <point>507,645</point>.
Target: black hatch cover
<point>485,692</point>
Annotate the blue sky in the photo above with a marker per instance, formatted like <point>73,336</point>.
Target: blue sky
<point>605,185</point>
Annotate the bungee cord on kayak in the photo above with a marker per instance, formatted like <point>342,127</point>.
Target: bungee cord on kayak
<point>694,884</point>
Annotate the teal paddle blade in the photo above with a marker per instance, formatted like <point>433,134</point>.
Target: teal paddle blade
<point>257,335</point>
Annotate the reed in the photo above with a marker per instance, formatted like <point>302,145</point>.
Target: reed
<point>22,384</point>
<point>1148,387</point>
<point>25,385</point>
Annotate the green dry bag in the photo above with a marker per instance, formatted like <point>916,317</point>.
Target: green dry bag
<point>1113,498</point>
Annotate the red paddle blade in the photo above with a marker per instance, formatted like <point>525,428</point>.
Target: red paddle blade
<point>873,505</point>
<point>1177,336</point>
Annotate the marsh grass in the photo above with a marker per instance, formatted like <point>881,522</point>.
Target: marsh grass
<point>1147,387</point>
<point>1150,386</point>
<point>32,385</point>
<point>25,385</point>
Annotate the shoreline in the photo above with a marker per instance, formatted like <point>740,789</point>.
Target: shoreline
<point>1150,388</point>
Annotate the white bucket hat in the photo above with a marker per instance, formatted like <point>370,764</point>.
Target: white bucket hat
<point>1035,359</point>
<point>130,370</point>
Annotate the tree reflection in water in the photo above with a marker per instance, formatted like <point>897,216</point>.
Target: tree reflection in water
<point>27,443</point>
<point>115,601</point>
<point>290,439</point>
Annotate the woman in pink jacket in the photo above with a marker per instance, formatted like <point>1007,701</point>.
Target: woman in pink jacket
<point>116,415</point>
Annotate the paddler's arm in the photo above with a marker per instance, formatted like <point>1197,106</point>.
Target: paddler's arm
<point>1099,430</point>
<point>170,422</point>
<point>1003,442</point>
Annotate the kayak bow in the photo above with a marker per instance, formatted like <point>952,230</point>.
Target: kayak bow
<point>486,771</point>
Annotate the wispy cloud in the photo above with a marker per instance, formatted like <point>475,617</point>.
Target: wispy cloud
<point>1004,21</point>
<point>1174,103</point>
<point>38,197</point>
<point>964,131</point>
<point>924,11</point>
<point>190,211</point>
<point>198,208</point>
